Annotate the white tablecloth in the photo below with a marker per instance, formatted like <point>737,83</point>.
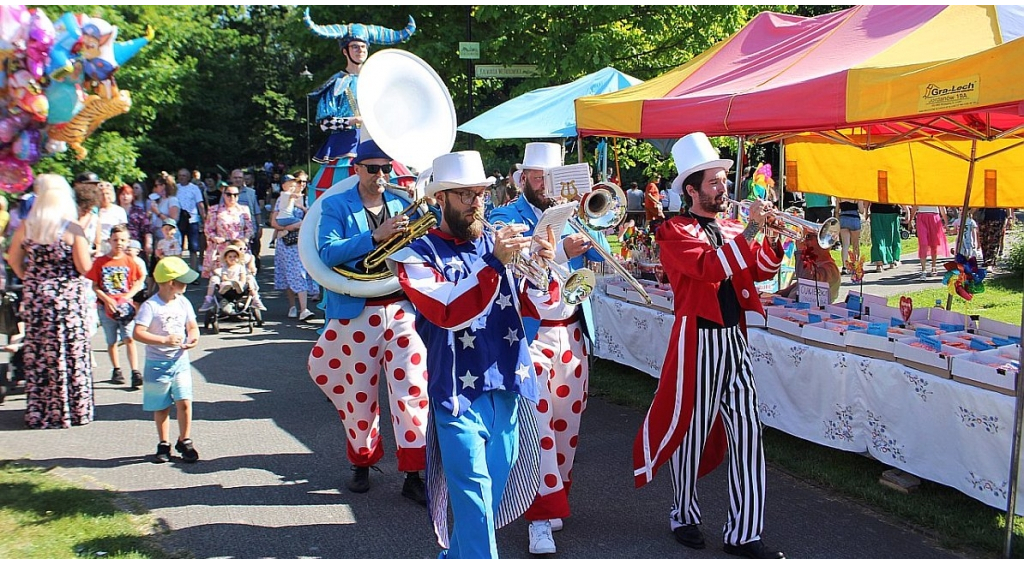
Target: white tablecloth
<point>931,427</point>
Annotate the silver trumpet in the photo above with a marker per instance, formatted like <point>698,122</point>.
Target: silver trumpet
<point>795,227</point>
<point>576,285</point>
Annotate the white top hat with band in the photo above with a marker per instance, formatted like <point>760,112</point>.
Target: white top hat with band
<point>463,169</point>
<point>692,153</point>
<point>542,156</point>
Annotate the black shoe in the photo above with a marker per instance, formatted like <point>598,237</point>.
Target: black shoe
<point>163,453</point>
<point>116,377</point>
<point>136,379</point>
<point>360,482</point>
<point>690,536</point>
<point>413,488</point>
<point>188,452</point>
<point>752,549</point>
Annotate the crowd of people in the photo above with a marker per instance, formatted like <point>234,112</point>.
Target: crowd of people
<point>85,256</point>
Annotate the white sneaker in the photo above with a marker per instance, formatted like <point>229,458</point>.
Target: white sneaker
<point>306,314</point>
<point>292,312</point>
<point>541,541</point>
<point>923,276</point>
<point>207,304</point>
<point>556,525</point>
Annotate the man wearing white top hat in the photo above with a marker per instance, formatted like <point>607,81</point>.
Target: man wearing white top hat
<point>559,348</point>
<point>706,402</point>
<point>482,433</point>
<point>366,339</point>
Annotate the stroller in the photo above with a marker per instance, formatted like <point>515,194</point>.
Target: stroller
<point>234,305</point>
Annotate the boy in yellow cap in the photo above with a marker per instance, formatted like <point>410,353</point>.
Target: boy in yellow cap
<point>166,324</point>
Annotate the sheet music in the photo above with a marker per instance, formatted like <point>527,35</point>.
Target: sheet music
<point>556,217</point>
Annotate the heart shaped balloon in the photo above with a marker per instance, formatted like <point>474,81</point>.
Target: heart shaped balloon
<point>15,175</point>
<point>906,308</point>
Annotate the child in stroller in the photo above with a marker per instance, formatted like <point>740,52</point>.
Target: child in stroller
<point>232,291</point>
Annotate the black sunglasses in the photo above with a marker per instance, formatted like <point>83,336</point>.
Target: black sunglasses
<point>374,169</point>
<point>235,194</point>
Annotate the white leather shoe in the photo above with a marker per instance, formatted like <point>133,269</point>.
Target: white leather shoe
<point>306,314</point>
<point>541,541</point>
<point>556,525</point>
<point>293,312</point>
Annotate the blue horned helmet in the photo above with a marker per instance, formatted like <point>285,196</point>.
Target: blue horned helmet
<point>347,33</point>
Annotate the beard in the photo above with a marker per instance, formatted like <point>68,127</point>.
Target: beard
<point>711,204</point>
<point>537,197</point>
<point>463,228</point>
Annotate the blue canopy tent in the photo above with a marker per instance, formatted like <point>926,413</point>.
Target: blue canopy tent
<point>546,112</point>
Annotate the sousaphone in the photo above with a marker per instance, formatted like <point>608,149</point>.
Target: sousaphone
<point>407,109</point>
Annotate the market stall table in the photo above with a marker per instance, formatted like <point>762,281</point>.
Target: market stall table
<point>935,428</point>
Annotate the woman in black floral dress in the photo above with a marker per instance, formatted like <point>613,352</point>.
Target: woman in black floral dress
<point>50,254</point>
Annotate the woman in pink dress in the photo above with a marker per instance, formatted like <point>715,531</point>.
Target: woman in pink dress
<point>225,222</point>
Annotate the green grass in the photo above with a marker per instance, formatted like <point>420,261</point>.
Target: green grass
<point>1001,300</point>
<point>46,516</point>
<point>956,521</point>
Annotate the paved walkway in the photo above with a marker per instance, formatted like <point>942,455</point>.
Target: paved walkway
<point>271,480</point>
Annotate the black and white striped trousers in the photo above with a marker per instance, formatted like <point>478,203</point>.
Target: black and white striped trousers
<point>725,384</point>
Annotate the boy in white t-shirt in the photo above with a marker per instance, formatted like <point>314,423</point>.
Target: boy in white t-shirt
<point>166,324</point>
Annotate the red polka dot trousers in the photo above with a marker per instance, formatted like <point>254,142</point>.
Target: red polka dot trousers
<point>559,357</point>
<point>347,362</point>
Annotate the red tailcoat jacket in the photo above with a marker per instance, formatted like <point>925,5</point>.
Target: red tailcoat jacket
<point>695,269</point>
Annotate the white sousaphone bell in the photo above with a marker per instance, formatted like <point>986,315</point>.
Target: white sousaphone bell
<point>408,111</point>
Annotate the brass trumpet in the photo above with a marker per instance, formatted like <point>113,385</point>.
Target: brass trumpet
<point>797,228</point>
<point>576,285</point>
<point>373,263</point>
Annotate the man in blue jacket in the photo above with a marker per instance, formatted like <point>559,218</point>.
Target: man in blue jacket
<point>559,350</point>
<point>365,337</point>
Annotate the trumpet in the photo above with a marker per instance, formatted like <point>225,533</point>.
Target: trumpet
<point>576,285</point>
<point>797,228</point>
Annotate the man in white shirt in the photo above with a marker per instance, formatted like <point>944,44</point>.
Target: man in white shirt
<point>675,202</point>
<point>190,220</point>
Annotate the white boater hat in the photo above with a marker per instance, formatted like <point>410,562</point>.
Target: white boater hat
<point>692,153</point>
<point>463,169</point>
<point>541,156</point>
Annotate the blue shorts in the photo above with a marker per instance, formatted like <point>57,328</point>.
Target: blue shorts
<point>114,331</point>
<point>165,382</point>
<point>851,221</point>
<point>190,233</point>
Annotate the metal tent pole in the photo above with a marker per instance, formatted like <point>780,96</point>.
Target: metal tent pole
<point>963,210</point>
<point>1018,421</point>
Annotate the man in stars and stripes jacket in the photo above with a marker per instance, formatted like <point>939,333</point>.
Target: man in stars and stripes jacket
<point>482,445</point>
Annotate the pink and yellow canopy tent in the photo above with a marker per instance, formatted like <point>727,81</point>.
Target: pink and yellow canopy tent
<point>909,70</point>
<point>895,80</point>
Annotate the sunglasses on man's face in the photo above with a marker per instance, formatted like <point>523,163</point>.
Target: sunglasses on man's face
<point>374,169</point>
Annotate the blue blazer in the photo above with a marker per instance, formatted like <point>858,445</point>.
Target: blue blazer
<point>345,238</point>
<point>520,211</point>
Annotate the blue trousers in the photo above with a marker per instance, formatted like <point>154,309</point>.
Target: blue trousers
<point>478,449</point>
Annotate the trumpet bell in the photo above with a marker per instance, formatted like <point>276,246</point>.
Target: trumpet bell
<point>828,234</point>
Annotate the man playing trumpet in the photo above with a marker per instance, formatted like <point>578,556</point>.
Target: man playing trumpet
<point>706,399</point>
<point>364,337</point>
<point>471,309</point>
